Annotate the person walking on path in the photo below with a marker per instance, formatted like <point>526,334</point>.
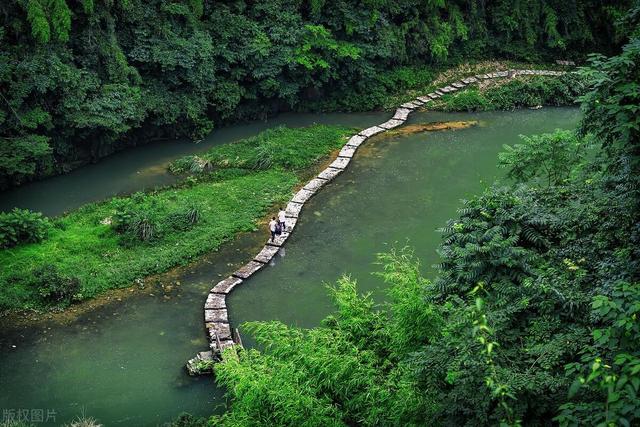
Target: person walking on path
<point>281,218</point>
<point>272,228</point>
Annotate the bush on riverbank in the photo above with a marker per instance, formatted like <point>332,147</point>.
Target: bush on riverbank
<point>522,91</point>
<point>22,226</point>
<point>110,244</point>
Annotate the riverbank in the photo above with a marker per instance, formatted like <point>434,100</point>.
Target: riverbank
<point>120,241</point>
<point>518,91</point>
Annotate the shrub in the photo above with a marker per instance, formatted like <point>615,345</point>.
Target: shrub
<point>135,220</point>
<point>468,100</point>
<point>183,220</point>
<point>54,287</point>
<point>22,226</point>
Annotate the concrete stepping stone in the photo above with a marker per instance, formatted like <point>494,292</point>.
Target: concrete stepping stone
<point>503,73</point>
<point>356,140</point>
<point>470,80</point>
<point>248,269</point>
<point>410,105</point>
<point>315,184</point>
<point>289,224</point>
<point>293,209</point>
<point>341,162</point>
<point>224,344</point>
<point>216,316</point>
<point>402,114</point>
<point>195,367</point>
<point>439,92</point>
<point>303,195</point>
<point>424,99</point>
<point>347,151</point>
<point>391,123</point>
<point>223,330</point>
<point>225,286</point>
<point>215,302</point>
<point>329,173</point>
<point>267,253</point>
<point>279,240</point>
<point>458,85</point>
<point>433,95</point>
<point>373,130</point>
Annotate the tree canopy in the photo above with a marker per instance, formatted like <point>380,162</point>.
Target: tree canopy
<point>79,80</point>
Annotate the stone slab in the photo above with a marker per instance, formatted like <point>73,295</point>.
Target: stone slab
<point>401,114</point>
<point>222,329</point>
<point>410,105</point>
<point>215,302</point>
<point>329,173</point>
<point>439,92</point>
<point>424,99</point>
<point>315,184</point>
<point>268,252</point>
<point>433,95</point>
<point>347,151</point>
<point>356,140</point>
<point>216,316</point>
<point>459,85</point>
<point>303,195</point>
<point>279,240</point>
<point>392,123</point>
<point>224,344</point>
<point>248,269</point>
<point>503,73</point>
<point>225,286</point>
<point>289,224</point>
<point>293,209</point>
<point>341,162</point>
<point>470,80</point>
<point>373,130</point>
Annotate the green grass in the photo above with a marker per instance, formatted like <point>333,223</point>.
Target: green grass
<point>81,245</point>
<point>291,149</point>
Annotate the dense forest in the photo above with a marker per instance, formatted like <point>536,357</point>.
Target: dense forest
<point>532,318</point>
<point>80,79</point>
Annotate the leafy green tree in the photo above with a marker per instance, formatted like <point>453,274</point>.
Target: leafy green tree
<point>549,156</point>
<point>605,393</point>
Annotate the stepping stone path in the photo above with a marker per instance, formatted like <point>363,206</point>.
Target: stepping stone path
<point>216,317</point>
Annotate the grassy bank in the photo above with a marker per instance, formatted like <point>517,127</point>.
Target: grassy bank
<point>110,244</point>
<point>518,92</point>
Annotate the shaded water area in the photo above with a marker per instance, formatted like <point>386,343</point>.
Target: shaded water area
<point>123,363</point>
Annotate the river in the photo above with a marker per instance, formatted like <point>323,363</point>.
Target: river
<point>124,362</point>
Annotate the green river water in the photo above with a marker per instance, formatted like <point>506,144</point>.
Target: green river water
<point>123,363</point>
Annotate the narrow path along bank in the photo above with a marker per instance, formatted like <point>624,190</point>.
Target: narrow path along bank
<point>219,331</point>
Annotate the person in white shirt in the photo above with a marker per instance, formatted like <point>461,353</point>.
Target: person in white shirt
<point>272,228</point>
<point>281,219</point>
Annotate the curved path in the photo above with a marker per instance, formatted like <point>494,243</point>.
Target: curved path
<point>216,318</point>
